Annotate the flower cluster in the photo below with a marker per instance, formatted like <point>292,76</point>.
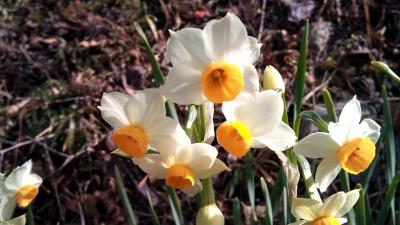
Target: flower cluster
<point>215,65</point>
<point>20,188</point>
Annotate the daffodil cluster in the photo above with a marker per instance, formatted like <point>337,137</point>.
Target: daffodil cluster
<point>215,65</point>
<point>20,188</point>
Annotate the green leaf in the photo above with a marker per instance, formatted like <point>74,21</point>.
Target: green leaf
<point>389,146</point>
<point>301,72</point>
<point>360,207</point>
<point>268,218</point>
<point>315,119</point>
<point>250,182</point>
<point>124,197</point>
<point>158,76</point>
<point>306,173</point>
<point>277,189</point>
<point>285,206</point>
<point>237,219</point>
<point>386,205</point>
<point>30,218</point>
<point>175,206</point>
<point>153,213</point>
<point>330,107</point>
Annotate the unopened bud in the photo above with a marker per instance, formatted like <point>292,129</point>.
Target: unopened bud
<point>210,214</point>
<point>273,79</point>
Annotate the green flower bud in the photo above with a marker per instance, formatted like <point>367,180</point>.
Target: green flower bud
<point>210,214</point>
<point>273,79</point>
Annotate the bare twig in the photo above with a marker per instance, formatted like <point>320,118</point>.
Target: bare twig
<point>264,5</point>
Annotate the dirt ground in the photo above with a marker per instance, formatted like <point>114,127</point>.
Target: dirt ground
<point>58,57</point>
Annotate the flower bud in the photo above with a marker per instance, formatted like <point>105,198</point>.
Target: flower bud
<point>273,79</point>
<point>210,214</point>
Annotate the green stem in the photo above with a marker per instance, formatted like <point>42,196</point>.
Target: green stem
<point>207,194</point>
<point>31,220</point>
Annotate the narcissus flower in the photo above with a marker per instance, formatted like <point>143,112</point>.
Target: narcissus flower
<point>21,185</point>
<point>140,122</point>
<point>349,145</point>
<point>213,64</point>
<point>331,212</point>
<point>210,214</point>
<point>272,79</point>
<point>183,168</point>
<point>255,123</point>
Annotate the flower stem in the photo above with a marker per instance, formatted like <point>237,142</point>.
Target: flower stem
<point>207,194</point>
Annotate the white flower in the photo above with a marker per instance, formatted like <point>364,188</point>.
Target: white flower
<point>140,122</point>
<point>213,64</point>
<point>210,214</point>
<point>349,145</point>
<point>183,168</point>
<point>331,212</point>
<point>255,123</point>
<point>20,220</point>
<point>272,79</point>
<point>21,185</point>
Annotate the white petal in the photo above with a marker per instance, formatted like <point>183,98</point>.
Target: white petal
<point>306,208</point>
<point>18,177</point>
<point>166,135</point>
<point>188,45</point>
<point>263,114</point>
<point>342,220</point>
<point>327,171</point>
<point>349,202</point>
<point>194,190</point>
<point>34,179</point>
<point>367,128</point>
<point>340,132</point>
<point>251,83</point>
<point>228,109</point>
<point>333,204</point>
<point>20,220</point>
<point>351,112</point>
<point>112,108</point>
<point>216,168</point>
<point>298,222</point>
<point>316,145</point>
<point>182,85</point>
<point>7,207</point>
<point>199,157</point>
<point>155,165</point>
<point>280,138</point>
<point>225,36</point>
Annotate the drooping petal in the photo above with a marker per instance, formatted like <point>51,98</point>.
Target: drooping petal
<point>225,36</point>
<point>20,220</point>
<point>327,171</point>
<point>280,138</point>
<point>316,145</point>
<point>306,208</point>
<point>349,202</point>
<point>194,190</point>
<point>351,112</point>
<point>216,168</point>
<point>165,135</point>
<point>263,114</point>
<point>7,207</point>
<point>199,157</point>
<point>155,165</point>
<point>112,108</point>
<point>188,45</point>
<point>332,205</point>
<point>182,85</point>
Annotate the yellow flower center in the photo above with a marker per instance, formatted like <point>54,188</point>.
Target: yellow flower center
<point>356,155</point>
<point>180,176</point>
<point>326,221</point>
<point>131,140</point>
<point>234,137</point>
<point>26,194</point>
<point>222,82</point>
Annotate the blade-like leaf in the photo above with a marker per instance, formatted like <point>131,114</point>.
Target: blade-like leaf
<point>124,198</point>
<point>268,218</point>
<point>390,193</point>
<point>315,119</point>
<point>175,206</point>
<point>360,207</point>
<point>250,182</point>
<point>330,107</point>
<point>154,216</point>
<point>237,219</point>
